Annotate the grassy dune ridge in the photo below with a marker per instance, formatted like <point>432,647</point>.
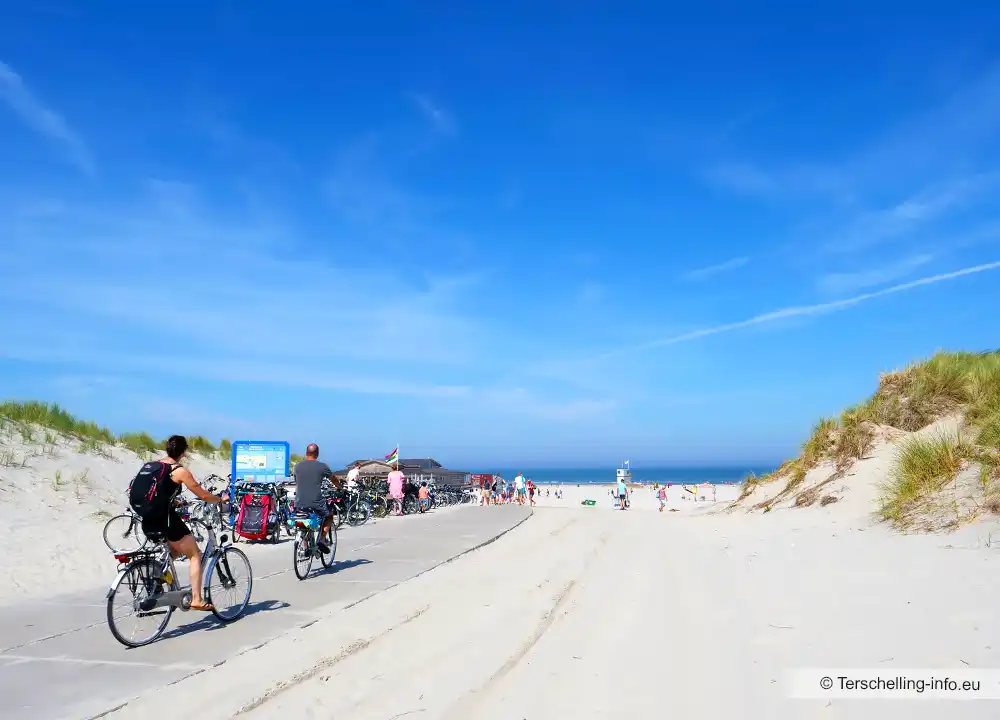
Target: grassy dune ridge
<point>965,385</point>
<point>28,415</point>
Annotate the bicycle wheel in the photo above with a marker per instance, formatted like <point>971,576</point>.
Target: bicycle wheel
<point>380,508</point>
<point>199,529</point>
<point>409,505</point>
<point>358,514</point>
<point>123,534</point>
<point>397,506</point>
<point>338,517</point>
<point>140,581</point>
<point>331,539</point>
<point>231,580</point>
<point>304,550</point>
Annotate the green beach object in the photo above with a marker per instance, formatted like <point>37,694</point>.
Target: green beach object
<point>589,503</point>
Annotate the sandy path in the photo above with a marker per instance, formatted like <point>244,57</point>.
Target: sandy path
<point>581,614</point>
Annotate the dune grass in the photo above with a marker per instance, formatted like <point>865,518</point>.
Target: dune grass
<point>202,445</point>
<point>226,449</point>
<point>924,466</point>
<point>141,443</point>
<point>94,438</point>
<point>53,417</point>
<point>908,399</point>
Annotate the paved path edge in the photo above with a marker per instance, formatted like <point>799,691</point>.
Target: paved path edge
<point>325,611</point>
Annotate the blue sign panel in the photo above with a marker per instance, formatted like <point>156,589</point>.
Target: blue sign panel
<point>258,461</point>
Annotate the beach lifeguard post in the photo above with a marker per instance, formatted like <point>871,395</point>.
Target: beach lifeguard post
<point>705,491</point>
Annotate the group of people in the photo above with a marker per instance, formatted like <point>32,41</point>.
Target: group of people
<point>154,491</point>
<point>397,483</point>
<point>494,490</point>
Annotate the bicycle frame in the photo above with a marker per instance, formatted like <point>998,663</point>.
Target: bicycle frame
<point>180,596</point>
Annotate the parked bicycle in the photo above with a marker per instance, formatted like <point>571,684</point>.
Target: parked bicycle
<point>351,508</point>
<point>306,526</point>
<point>123,533</point>
<point>147,586</point>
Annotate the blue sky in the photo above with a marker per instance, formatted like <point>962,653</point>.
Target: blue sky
<point>540,233</point>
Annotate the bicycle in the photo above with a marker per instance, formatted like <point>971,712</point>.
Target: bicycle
<point>355,511</point>
<point>123,533</point>
<point>306,525</point>
<point>150,577</point>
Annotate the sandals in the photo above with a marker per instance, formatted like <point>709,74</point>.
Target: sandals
<point>203,606</point>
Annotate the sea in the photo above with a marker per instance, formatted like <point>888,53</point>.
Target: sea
<point>601,476</point>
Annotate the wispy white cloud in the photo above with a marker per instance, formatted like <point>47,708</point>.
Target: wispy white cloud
<point>799,311</point>
<point>743,178</point>
<point>374,329</point>
<point>707,272</point>
<point>19,98</point>
<point>930,204</point>
<point>438,118</point>
<point>847,282</point>
<point>916,151</point>
<point>591,293</point>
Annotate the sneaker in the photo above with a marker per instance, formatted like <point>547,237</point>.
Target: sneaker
<point>323,547</point>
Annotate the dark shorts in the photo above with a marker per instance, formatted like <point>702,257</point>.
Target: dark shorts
<point>322,511</point>
<point>170,527</point>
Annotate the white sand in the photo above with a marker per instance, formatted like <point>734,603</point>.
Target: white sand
<point>580,613</point>
<point>54,502</point>
<point>689,497</point>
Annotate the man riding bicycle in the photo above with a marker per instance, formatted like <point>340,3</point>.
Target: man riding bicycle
<point>153,494</point>
<point>310,477</point>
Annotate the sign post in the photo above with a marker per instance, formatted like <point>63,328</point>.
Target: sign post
<point>257,461</point>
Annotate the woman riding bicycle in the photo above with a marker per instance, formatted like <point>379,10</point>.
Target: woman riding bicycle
<point>152,495</point>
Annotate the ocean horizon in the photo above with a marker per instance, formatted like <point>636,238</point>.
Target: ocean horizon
<point>598,476</point>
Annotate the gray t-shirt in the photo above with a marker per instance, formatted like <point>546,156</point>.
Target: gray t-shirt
<point>309,476</point>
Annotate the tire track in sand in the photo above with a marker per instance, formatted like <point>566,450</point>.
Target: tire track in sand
<point>463,708</point>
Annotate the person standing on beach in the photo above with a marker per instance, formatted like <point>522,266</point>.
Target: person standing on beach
<point>396,481</point>
<point>531,492</point>
<point>622,489</point>
<point>352,476</point>
<point>662,495</point>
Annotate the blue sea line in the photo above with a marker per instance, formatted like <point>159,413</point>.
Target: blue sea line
<point>598,476</point>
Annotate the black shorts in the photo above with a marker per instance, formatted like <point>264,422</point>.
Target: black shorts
<point>170,526</point>
<point>322,510</point>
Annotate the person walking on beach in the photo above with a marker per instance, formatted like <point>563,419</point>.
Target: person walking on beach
<point>519,487</point>
<point>622,489</point>
<point>531,492</point>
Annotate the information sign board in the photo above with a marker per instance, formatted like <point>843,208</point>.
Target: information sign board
<point>258,461</point>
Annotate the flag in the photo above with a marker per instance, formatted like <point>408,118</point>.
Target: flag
<point>393,456</point>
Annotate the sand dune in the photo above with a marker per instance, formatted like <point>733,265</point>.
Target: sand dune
<point>54,501</point>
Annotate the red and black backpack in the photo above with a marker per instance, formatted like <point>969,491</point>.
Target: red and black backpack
<point>152,490</point>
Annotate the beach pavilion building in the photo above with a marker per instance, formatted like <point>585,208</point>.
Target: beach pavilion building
<point>416,470</point>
